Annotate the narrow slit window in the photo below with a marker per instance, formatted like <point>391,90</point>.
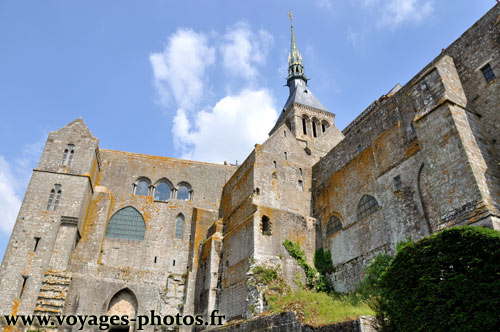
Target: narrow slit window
<point>23,287</point>
<point>156,259</point>
<point>300,171</point>
<point>173,263</point>
<point>397,183</point>
<point>301,185</point>
<point>488,73</point>
<point>315,134</point>
<point>37,240</point>
<point>274,163</point>
<point>285,155</point>
<point>304,127</point>
<point>265,225</point>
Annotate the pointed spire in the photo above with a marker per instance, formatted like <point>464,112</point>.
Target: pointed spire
<point>295,67</point>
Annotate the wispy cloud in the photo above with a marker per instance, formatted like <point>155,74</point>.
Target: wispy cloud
<point>325,4</point>
<point>242,50</point>
<point>400,11</point>
<point>179,69</point>
<point>229,129</point>
<point>352,37</point>
<point>394,13</point>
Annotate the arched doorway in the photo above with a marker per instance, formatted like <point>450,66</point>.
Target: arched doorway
<point>123,303</point>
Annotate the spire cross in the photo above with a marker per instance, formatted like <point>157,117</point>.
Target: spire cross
<point>291,17</point>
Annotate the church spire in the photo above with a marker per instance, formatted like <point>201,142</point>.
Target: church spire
<point>295,67</point>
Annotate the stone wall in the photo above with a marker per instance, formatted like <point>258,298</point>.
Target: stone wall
<point>288,322</point>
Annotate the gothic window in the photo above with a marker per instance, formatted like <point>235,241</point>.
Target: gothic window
<point>179,225</point>
<point>488,73</point>
<point>51,198</point>
<point>70,150</point>
<point>163,191</point>
<point>51,203</point>
<point>333,226</point>
<point>304,125</point>
<point>366,206</point>
<point>184,192</point>
<point>126,224</point>
<point>265,225</point>
<point>58,198</point>
<point>315,125</point>
<point>141,187</point>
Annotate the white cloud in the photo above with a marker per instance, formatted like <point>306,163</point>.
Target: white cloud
<point>352,37</point>
<point>179,70</point>
<point>229,130</point>
<point>242,50</point>
<point>397,12</point>
<point>9,200</point>
<point>325,4</point>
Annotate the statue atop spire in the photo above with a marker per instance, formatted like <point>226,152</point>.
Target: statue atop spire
<point>295,67</point>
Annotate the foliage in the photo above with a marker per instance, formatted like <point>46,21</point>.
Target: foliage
<point>369,287</point>
<point>265,275</point>
<point>300,256</point>
<point>323,261</point>
<point>317,308</point>
<point>446,282</point>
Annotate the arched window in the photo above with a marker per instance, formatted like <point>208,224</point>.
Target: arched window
<point>366,206</point>
<point>315,123</point>
<point>56,191</point>
<point>304,124</point>
<point>179,225</point>
<point>163,191</point>
<point>333,226</point>
<point>127,224</point>
<point>70,150</point>
<point>324,126</point>
<point>184,192</point>
<point>141,187</point>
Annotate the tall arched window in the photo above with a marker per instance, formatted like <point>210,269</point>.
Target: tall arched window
<point>55,192</point>
<point>127,224</point>
<point>333,226</point>
<point>163,191</point>
<point>141,187</point>
<point>184,192</point>
<point>305,120</point>
<point>179,225</point>
<point>366,206</point>
<point>324,126</point>
<point>70,150</point>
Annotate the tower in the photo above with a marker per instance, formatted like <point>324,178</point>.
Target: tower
<point>304,115</point>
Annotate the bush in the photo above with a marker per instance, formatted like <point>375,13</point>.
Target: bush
<point>323,261</point>
<point>449,281</point>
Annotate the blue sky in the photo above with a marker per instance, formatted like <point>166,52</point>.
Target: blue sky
<point>197,79</point>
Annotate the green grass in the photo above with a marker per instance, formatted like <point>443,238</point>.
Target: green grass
<point>317,309</point>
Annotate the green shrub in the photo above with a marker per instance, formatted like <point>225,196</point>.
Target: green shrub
<point>449,281</point>
<point>369,287</point>
<point>323,261</point>
<point>264,275</point>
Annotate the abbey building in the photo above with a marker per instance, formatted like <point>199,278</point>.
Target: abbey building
<point>111,232</point>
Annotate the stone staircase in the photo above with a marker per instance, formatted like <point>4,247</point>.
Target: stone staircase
<point>53,293</point>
